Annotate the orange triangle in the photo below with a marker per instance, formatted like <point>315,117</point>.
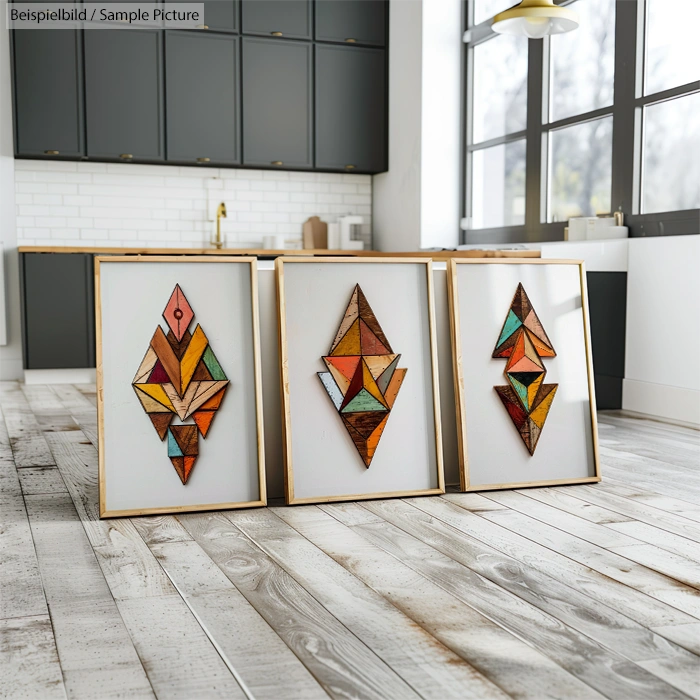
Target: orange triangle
<point>203,420</point>
<point>214,402</point>
<point>189,463</point>
<point>518,348</point>
<point>345,364</point>
<point>542,349</point>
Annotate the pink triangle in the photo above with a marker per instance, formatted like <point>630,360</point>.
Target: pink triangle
<point>525,364</point>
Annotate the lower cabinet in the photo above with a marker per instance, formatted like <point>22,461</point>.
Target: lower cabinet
<point>58,310</point>
<point>351,109</point>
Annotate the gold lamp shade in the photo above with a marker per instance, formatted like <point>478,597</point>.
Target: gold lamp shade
<point>535,19</point>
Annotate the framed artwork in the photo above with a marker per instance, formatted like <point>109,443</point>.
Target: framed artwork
<point>524,389</point>
<point>359,379</point>
<point>178,384</point>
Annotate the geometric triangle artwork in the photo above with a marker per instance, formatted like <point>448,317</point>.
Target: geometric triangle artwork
<point>363,379</point>
<point>523,342</point>
<point>180,376</point>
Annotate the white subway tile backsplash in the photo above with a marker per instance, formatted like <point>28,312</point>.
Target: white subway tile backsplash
<point>125,204</point>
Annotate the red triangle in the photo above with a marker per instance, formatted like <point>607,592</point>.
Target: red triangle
<point>355,386</point>
<point>345,364</point>
<point>158,375</point>
<point>203,420</point>
<point>369,343</point>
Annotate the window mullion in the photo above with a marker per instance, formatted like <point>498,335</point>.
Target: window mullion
<point>626,142</point>
<point>533,157</point>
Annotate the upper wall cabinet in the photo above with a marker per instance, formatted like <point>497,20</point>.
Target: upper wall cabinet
<point>202,97</point>
<point>292,19</point>
<point>219,15</point>
<point>48,88</point>
<point>351,109</point>
<point>352,21</point>
<point>277,103</point>
<point>124,94</point>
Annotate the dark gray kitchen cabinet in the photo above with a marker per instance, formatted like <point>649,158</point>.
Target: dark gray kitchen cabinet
<point>48,92</point>
<point>124,94</point>
<point>277,103</point>
<point>291,19</point>
<point>221,15</point>
<point>350,109</point>
<point>202,97</point>
<point>351,21</point>
<point>58,310</point>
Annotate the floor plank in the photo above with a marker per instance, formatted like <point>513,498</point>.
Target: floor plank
<point>510,663</point>
<point>35,480</point>
<point>73,400</point>
<point>431,669</point>
<point>94,646</point>
<point>344,666</point>
<point>613,675</point>
<point>244,639</point>
<point>26,438</point>
<point>29,666</point>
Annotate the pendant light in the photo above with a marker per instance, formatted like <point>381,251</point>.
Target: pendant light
<point>535,19</point>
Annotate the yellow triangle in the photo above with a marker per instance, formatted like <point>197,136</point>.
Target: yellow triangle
<point>350,344</point>
<point>156,392</point>
<point>371,386</point>
<point>532,389</point>
<point>539,415</point>
<point>190,360</point>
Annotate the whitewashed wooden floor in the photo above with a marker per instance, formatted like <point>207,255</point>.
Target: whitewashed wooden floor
<point>570,592</point>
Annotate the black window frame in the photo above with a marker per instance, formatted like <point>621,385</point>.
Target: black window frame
<point>627,137</point>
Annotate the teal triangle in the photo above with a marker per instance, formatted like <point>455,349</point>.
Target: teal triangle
<point>213,365</point>
<point>173,448</point>
<point>511,325</point>
<point>520,389</point>
<point>386,375</point>
<point>363,401</point>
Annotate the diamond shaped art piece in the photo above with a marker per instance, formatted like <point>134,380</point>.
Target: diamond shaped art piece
<point>523,342</point>
<point>180,377</point>
<point>363,377</point>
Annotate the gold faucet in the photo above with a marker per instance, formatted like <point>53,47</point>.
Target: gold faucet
<point>221,211</point>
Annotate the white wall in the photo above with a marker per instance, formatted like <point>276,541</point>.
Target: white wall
<point>662,374</point>
<point>417,202</point>
<point>126,204</point>
<point>10,354</point>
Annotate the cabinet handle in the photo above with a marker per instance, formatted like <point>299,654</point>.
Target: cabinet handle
<point>51,153</point>
<point>203,160</point>
<point>276,162</point>
<point>202,26</point>
<point>126,156</point>
<point>276,33</point>
<point>349,167</point>
<point>351,41</point>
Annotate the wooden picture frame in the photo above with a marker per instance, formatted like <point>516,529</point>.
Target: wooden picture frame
<point>252,358</point>
<point>283,264</point>
<point>462,391</point>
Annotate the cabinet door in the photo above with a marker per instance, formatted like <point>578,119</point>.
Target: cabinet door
<point>124,94</point>
<point>48,80</point>
<point>352,21</point>
<point>202,97</point>
<point>58,309</point>
<point>277,103</point>
<point>221,15</point>
<point>351,109</point>
<point>286,18</point>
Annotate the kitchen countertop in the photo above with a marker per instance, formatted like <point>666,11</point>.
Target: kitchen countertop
<point>258,252</point>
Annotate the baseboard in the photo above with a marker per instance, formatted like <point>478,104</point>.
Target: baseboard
<point>660,400</point>
<point>60,376</point>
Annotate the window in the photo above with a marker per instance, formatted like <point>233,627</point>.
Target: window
<point>611,121</point>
